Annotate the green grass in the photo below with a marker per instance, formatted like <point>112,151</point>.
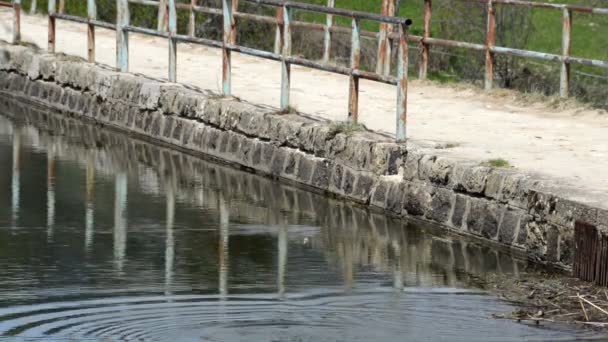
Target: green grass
<point>496,163</point>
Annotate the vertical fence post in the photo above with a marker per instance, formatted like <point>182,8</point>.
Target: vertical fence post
<point>383,65</point>
<point>227,53</point>
<point>424,47</point>
<point>192,21</point>
<point>278,36</point>
<point>61,6</point>
<point>490,42</point>
<point>172,42</point>
<point>355,57</point>
<point>122,36</point>
<point>92,15</point>
<point>233,30</point>
<point>285,65</point>
<point>162,16</point>
<point>402,65</point>
<point>329,23</point>
<point>33,7</point>
<point>16,21</point>
<point>564,79</point>
<point>51,11</point>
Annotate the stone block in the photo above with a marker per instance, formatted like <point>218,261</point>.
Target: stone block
<point>305,170</point>
<point>417,199</point>
<point>441,205</point>
<point>379,194</point>
<point>363,187</point>
<point>278,162</point>
<point>322,173</point>
<point>509,225</point>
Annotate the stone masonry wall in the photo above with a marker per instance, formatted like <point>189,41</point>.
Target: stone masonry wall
<point>503,206</point>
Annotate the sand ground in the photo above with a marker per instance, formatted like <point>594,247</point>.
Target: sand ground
<point>568,144</point>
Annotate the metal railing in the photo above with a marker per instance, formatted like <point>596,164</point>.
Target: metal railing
<point>16,6</point>
<point>284,27</point>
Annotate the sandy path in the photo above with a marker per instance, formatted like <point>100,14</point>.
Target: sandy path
<point>570,144</point>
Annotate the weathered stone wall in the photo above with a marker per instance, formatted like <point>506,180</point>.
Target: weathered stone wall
<point>504,206</point>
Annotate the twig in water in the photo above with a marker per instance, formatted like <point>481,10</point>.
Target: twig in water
<point>583,307</point>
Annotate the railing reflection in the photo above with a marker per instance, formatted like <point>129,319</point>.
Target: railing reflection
<point>224,266</point>
<point>15,177</point>
<point>89,202</point>
<point>120,220</point>
<point>169,239</point>
<point>50,192</point>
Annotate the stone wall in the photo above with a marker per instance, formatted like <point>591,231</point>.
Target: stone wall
<point>503,206</point>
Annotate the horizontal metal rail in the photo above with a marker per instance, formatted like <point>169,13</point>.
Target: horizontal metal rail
<point>76,19</point>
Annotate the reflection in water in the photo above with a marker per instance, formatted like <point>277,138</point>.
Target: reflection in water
<point>216,254</point>
<point>120,220</point>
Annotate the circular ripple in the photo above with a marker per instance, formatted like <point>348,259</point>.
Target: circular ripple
<point>379,314</point>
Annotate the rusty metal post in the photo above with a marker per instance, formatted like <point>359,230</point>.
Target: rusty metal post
<point>383,66</point>
<point>227,53</point>
<point>162,19</point>
<point>51,11</point>
<point>16,21</point>
<point>233,31</point>
<point>355,58</point>
<point>278,36</point>
<point>402,65</point>
<point>192,20</point>
<point>33,7</point>
<point>92,15</point>
<point>329,23</point>
<point>286,52</point>
<point>490,42</point>
<point>61,6</point>
<point>122,36</point>
<point>172,42</point>
<point>564,79</point>
<point>424,47</point>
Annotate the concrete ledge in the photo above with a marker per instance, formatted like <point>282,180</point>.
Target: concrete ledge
<point>525,212</point>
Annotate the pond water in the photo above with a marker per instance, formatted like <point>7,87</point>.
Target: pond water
<point>104,237</point>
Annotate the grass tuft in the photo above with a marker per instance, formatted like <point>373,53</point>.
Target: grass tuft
<point>496,163</point>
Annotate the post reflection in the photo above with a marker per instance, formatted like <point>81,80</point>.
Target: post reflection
<point>120,220</point>
<point>223,245</point>
<point>50,191</point>
<point>15,178</point>
<point>169,239</point>
<point>282,262</point>
<point>89,206</point>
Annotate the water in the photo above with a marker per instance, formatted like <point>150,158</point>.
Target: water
<point>107,238</point>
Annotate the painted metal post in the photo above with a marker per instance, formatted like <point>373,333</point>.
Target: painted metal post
<point>122,36</point>
<point>424,47</point>
<point>33,6</point>
<point>490,42</point>
<point>564,79</point>
<point>402,65</point>
<point>227,53</point>
<point>329,23</point>
<point>285,65</point>
<point>61,6</point>
<point>92,15</point>
<point>162,17</point>
<point>51,11</point>
<point>172,42</point>
<point>16,21</point>
<point>355,58</point>
<point>383,65</point>
<point>192,21</point>
<point>278,36</point>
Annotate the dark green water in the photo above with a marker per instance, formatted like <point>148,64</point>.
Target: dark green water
<point>107,238</point>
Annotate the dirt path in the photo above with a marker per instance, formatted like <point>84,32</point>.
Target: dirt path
<point>570,144</point>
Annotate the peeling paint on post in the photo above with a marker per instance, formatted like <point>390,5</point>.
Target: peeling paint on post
<point>172,42</point>
<point>16,21</point>
<point>564,79</point>
<point>61,6</point>
<point>329,23</point>
<point>92,15</point>
<point>383,65</point>
<point>402,64</point>
<point>278,37</point>
<point>490,42</point>
<point>51,11</point>
<point>355,57</point>
<point>226,53</point>
<point>424,47</point>
<point>285,66</point>
<point>233,29</point>
<point>122,36</point>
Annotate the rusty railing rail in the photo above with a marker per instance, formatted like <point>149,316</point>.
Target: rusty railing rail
<point>167,28</point>
<point>16,6</point>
